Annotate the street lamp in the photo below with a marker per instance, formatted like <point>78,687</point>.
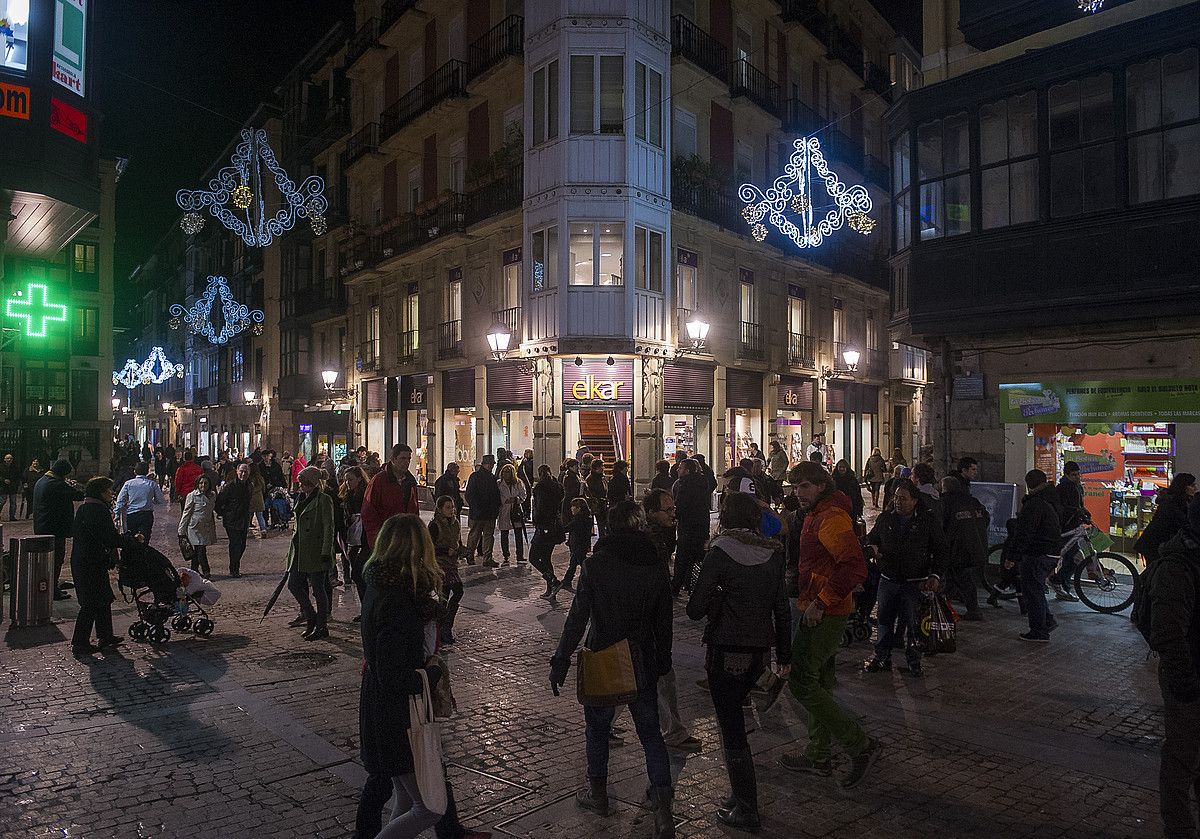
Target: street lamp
<point>249,395</point>
<point>167,406</point>
<point>116,403</point>
<point>850,357</point>
<point>499,338</point>
<point>329,377</point>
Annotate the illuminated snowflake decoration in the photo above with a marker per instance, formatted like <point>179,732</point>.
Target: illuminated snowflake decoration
<point>793,191</point>
<point>130,375</point>
<point>236,317</point>
<point>157,368</point>
<point>1090,6</point>
<point>230,200</point>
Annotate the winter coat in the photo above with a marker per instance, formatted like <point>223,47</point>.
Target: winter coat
<point>447,546</point>
<point>572,489</point>
<point>579,531</point>
<point>298,466</point>
<point>931,499</point>
<point>662,480</point>
<point>339,521</point>
<point>233,505</point>
<point>483,496</point>
<point>831,561</point>
<point>1070,504</point>
<point>1170,516</point>
<point>53,505</point>
<point>527,474</point>
<point>393,642</point>
<point>596,492</point>
<point>10,478</point>
<point>197,522</point>
<point>547,506</point>
<point>664,540</point>
<point>966,528</point>
<point>847,483</point>
<point>693,503</point>
<point>777,465</point>
<point>447,484</point>
<point>311,548</point>
<point>909,549</point>
<point>272,474</point>
<point>512,500</point>
<point>1175,616</point>
<point>386,497</point>
<point>32,476</point>
<point>624,592</point>
<point>619,489</point>
<point>876,471</point>
<point>93,553</point>
<point>185,477</point>
<point>740,590</point>
<point>1037,530</point>
<point>258,488</point>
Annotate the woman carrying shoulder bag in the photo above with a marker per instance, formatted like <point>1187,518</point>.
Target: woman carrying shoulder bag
<point>740,590</point>
<point>198,524</point>
<point>512,506</point>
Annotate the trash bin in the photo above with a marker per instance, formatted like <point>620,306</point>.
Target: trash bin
<point>32,599</point>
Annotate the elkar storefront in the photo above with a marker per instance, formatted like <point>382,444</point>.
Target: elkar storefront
<point>597,399</point>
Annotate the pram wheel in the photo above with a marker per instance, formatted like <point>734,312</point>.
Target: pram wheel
<point>847,637</point>
<point>203,626</point>
<point>137,631</point>
<point>182,623</point>
<point>861,632</point>
<point>158,635</point>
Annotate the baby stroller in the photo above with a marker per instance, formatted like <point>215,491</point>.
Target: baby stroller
<point>155,588</point>
<point>281,507</point>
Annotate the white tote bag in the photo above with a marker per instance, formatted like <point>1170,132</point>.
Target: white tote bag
<point>425,738</point>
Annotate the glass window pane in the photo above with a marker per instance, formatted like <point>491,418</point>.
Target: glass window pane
<point>639,248</point>
<point>1023,192</point>
<point>932,224</point>
<point>1064,115</point>
<point>685,278</point>
<point>1022,125</point>
<point>639,105</point>
<point>612,254</point>
<point>656,262</point>
<point>995,197</point>
<point>583,269</point>
<point>612,94</point>
<point>903,221</point>
<point>1142,95</point>
<point>1096,112</point>
<point>539,106</point>
<point>654,115</point>
<point>1180,87</point>
<point>955,144</point>
<point>583,94</point>
<point>958,205</point>
<point>901,174</point>
<point>929,150</point>
<point>1099,188</point>
<point>1145,168</point>
<point>552,257</point>
<point>537,241</point>
<point>1066,184</point>
<point>993,133</point>
<point>747,303</point>
<point>552,101</point>
<point>1181,160</point>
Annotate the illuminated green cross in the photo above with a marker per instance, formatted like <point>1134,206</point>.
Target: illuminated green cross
<point>35,306</point>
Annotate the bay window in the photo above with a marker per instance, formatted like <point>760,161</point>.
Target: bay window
<point>545,103</point>
<point>597,252</point>
<point>648,245</point>
<point>1163,125</point>
<point>544,260</point>
<point>597,108</point>
<point>1081,146</point>
<point>1008,151</point>
<point>943,161</point>
<point>648,105</point>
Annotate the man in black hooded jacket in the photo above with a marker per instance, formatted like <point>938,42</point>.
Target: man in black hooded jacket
<point>1037,540</point>
<point>966,527</point>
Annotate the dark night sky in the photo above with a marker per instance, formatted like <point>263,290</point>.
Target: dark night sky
<point>161,65</point>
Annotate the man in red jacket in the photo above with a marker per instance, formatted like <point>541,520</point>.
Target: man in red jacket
<point>186,475</point>
<point>831,567</point>
<point>392,491</point>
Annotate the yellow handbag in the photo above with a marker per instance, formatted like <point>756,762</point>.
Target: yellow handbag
<point>605,677</point>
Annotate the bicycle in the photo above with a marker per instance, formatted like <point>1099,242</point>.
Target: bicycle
<point>1104,581</point>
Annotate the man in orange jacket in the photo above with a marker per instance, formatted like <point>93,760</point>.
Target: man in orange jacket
<point>831,567</point>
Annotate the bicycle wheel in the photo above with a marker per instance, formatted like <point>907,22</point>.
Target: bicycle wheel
<point>1106,583</point>
<point>993,574</point>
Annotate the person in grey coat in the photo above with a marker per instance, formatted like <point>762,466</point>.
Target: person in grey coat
<point>198,523</point>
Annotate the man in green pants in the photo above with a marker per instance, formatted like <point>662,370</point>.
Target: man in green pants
<point>831,567</point>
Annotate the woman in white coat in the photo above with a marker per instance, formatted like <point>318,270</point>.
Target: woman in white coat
<point>198,523</point>
<point>512,506</point>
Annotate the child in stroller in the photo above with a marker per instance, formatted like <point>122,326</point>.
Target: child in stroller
<point>160,594</point>
<point>280,506</point>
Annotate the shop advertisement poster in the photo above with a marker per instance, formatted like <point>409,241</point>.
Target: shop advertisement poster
<point>70,44</point>
<point>1002,501</point>
<point>1102,401</point>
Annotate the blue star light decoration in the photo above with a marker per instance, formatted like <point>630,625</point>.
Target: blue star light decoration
<point>130,375</point>
<point>237,317</point>
<point>792,192</point>
<point>230,198</point>
<point>158,368</point>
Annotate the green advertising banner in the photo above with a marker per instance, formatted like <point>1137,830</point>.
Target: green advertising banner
<point>1107,401</point>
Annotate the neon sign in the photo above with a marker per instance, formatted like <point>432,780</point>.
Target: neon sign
<point>34,306</point>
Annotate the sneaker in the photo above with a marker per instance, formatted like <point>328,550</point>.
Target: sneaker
<point>861,764</point>
<point>686,744</point>
<point>554,590</point>
<point>875,665</point>
<point>61,595</point>
<point>1061,593</point>
<point>805,764</point>
<point>1037,639</point>
<point>356,619</point>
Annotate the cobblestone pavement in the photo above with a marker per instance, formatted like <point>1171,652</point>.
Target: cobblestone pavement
<point>253,732</point>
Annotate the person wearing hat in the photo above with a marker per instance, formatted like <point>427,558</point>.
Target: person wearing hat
<point>54,500</point>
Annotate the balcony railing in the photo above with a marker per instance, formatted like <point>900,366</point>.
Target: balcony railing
<point>498,196</point>
<point>751,343</point>
<point>448,80</point>
<point>511,318</point>
<point>367,356</point>
<point>450,339</point>
<point>800,118</point>
<point>364,141</point>
<point>392,11</point>
<point>844,49</point>
<point>504,39</point>
<point>366,37</point>
<point>747,80</point>
<point>697,46</point>
<point>406,350</point>
<point>878,79</point>
<point>876,171</point>
<point>720,208</point>
<point>802,351</point>
<point>807,13</point>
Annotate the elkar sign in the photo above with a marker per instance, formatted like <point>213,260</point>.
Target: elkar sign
<point>597,383</point>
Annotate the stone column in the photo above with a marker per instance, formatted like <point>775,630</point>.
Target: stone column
<point>483,417</point>
<point>547,413</point>
<point>433,408</point>
<point>648,419</point>
<point>719,462</point>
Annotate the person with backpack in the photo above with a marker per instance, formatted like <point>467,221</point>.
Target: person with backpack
<point>1170,621</point>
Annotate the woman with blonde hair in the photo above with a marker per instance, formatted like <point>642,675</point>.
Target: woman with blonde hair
<point>512,506</point>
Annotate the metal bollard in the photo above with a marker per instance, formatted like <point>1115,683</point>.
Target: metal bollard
<point>32,599</point>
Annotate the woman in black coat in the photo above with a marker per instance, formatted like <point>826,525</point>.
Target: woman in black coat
<point>662,476</point>
<point>846,481</point>
<point>402,578</point>
<point>93,553</point>
<point>1170,516</point>
<point>619,487</point>
<point>571,486</point>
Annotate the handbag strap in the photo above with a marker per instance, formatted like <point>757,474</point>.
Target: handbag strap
<point>425,707</point>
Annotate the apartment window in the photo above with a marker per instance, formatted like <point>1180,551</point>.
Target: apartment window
<point>687,286</point>
<point>915,362</point>
<point>683,135</point>
<point>1162,115</point>
<point>414,189</point>
<point>544,261</point>
<point>85,395</point>
<point>943,160</point>
<point>83,258</point>
<point>510,285</point>
<point>901,189</point>
<point>1081,146</point>
<point>454,296</point>
<point>597,108</point>
<point>648,245</point>
<point>411,320</point>
<point>373,335</point>
<point>85,331</point>
<point>839,322</point>
<point>214,369</point>
<point>747,302</point>
<point>872,332</point>
<point>648,109</point>
<point>545,103</point>
<point>45,387</point>
<point>744,162</point>
<point>458,165</point>
<point>1008,147</point>
<point>237,369</point>
<point>597,253</point>
<point>797,311</point>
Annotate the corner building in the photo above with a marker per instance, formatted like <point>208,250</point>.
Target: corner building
<point>568,171</point>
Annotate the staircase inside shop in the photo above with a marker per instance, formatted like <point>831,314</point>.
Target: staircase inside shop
<point>597,430</point>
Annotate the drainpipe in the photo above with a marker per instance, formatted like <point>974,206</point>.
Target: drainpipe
<point>947,388</point>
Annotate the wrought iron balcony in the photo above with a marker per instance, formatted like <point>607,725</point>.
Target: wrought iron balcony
<point>504,39</point>
<point>364,141</point>
<point>841,47</point>
<point>697,46</point>
<point>720,208</point>
<point>406,350</point>
<point>807,13</point>
<point>878,79</point>
<point>448,80</point>
<point>491,199</point>
<point>392,11</point>
<point>511,318</point>
<point>802,351</point>
<point>367,355</point>
<point>450,339</point>
<point>366,37</point>
<point>751,343</point>
<point>414,230</point>
<point>800,118</point>
<point>747,80</point>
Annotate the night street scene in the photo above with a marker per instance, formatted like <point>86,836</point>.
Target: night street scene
<point>352,486</point>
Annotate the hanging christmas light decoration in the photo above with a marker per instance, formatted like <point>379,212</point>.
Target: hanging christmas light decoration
<point>157,368</point>
<point>130,375</point>
<point>793,190</point>
<point>1090,6</point>
<point>236,317</point>
<point>240,186</point>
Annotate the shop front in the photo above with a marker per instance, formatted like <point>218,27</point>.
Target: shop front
<point>794,416</point>
<point>374,407</point>
<point>688,398</point>
<point>459,420</point>
<point>1129,437</point>
<point>744,414</point>
<point>510,408</point>
<point>597,407</point>
<point>324,431</point>
<point>852,422</point>
<point>414,418</point>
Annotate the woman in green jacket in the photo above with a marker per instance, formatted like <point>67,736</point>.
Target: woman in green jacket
<point>310,556</point>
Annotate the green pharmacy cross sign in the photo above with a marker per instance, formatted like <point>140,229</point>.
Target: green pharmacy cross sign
<point>36,310</point>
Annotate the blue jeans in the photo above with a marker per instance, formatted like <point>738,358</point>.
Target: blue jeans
<point>262,520</point>
<point>644,710</point>
<point>898,599</point>
<point>1034,571</point>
